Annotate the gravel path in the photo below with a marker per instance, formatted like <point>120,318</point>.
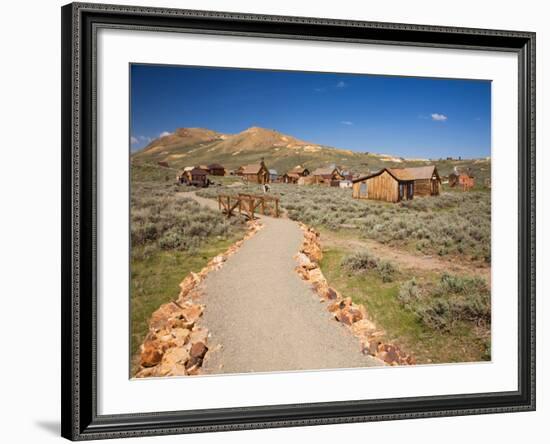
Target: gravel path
<point>263,317</point>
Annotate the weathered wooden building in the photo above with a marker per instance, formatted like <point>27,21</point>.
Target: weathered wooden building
<point>255,173</point>
<point>463,179</point>
<point>329,176</point>
<point>383,185</point>
<point>198,177</point>
<point>426,179</point>
<point>294,174</point>
<point>215,169</point>
<point>396,184</point>
<point>194,176</point>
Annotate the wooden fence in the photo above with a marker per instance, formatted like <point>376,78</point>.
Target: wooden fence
<point>248,204</point>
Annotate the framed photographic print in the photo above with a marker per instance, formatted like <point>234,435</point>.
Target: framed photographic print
<point>279,221</point>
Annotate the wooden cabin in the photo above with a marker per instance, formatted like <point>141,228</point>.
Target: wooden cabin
<point>396,184</point>
<point>383,185</point>
<point>462,179</point>
<point>183,176</point>
<point>215,169</point>
<point>426,179</point>
<point>329,176</point>
<point>466,181</point>
<point>294,174</point>
<point>254,173</point>
<point>306,180</point>
<point>198,177</point>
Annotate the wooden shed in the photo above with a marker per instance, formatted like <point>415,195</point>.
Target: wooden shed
<point>215,169</point>
<point>294,174</point>
<point>426,179</point>
<point>396,184</point>
<point>198,177</point>
<point>255,173</point>
<point>329,176</point>
<point>383,185</point>
<point>461,179</point>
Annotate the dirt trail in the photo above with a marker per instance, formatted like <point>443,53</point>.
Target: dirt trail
<point>263,317</point>
<point>405,259</point>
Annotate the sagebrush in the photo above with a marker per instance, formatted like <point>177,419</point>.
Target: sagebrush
<point>453,299</point>
<point>453,223</point>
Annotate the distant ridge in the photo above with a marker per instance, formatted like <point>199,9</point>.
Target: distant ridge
<point>200,146</point>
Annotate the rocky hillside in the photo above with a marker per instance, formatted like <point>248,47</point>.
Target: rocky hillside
<point>194,146</point>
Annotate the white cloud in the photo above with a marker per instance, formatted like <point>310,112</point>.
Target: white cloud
<point>341,84</point>
<point>346,122</point>
<point>165,133</point>
<point>439,117</point>
<point>134,140</point>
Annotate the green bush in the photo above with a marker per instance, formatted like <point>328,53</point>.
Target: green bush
<point>452,299</point>
<point>360,262</point>
<point>450,224</point>
<point>387,271</point>
<point>365,261</point>
<point>163,218</point>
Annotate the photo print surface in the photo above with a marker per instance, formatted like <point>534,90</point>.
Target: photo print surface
<point>291,221</point>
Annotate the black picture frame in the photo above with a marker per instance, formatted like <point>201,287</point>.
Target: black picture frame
<point>80,22</point>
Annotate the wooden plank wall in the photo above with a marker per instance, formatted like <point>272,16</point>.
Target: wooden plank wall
<point>423,187</point>
<point>383,187</point>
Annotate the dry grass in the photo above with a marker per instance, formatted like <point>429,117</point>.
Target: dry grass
<point>452,224</point>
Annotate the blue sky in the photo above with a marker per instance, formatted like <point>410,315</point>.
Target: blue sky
<point>404,116</point>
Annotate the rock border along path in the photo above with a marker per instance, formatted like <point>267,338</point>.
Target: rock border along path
<point>257,314</point>
<point>262,317</point>
<point>343,309</point>
<point>175,344</point>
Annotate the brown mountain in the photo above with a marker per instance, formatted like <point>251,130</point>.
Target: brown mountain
<point>199,146</point>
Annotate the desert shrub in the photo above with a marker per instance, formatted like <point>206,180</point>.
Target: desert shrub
<point>386,270</point>
<point>452,299</point>
<point>450,224</point>
<point>365,261</point>
<point>360,262</point>
<point>164,219</point>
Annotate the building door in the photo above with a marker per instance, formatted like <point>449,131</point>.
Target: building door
<point>410,190</point>
<point>363,189</point>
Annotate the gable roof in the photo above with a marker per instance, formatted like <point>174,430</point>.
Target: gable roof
<point>416,173</point>
<point>253,168</point>
<point>324,171</point>
<point>404,174</point>
<point>298,170</point>
<point>198,171</point>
